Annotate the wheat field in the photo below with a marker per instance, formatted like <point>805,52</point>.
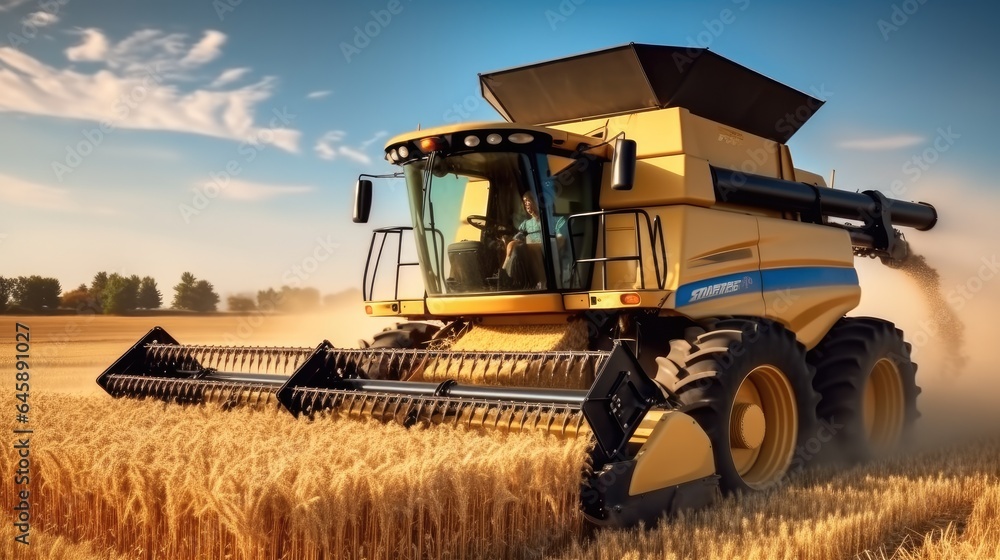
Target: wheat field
<point>122,479</point>
<point>150,480</point>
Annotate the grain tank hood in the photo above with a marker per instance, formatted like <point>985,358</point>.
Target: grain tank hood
<point>637,77</point>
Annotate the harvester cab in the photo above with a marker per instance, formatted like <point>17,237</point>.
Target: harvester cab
<point>630,257</point>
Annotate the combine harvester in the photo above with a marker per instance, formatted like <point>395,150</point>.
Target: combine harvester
<point>631,257</point>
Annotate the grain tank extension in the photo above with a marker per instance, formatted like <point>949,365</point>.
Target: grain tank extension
<point>631,257</point>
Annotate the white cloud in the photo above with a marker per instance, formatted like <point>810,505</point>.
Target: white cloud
<point>41,19</point>
<point>144,82</point>
<point>375,138</point>
<point>6,5</point>
<point>206,50</point>
<point>329,147</point>
<point>325,148</point>
<point>20,193</point>
<point>884,143</point>
<point>354,154</point>
<point>229,76</point>
<point>94,47</point>
<point>318,94</point>
<point>245,190</point>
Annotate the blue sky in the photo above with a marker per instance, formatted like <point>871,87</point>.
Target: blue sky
<point>297,99</point>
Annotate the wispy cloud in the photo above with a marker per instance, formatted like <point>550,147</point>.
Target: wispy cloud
<point>229,76</point>
<point>330,146</point>
<point>143,82</point>
<point>6,5</point>
<point>20,193</point>
<point>318,94</point>
<point>206,50</point>
<point>245,190</point>
<point>375,138</point>
<point>354,154</point>
<point>41,19</point>
<point>94,47</point>
<point>895,142</point>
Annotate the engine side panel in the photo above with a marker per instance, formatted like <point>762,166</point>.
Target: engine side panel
<point>808,276</point>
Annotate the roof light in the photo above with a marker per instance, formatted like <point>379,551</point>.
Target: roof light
<point>494,139</point>
<point>471,141</point>
<point>404,152</point>
<point>393,156</point>
<point>431,144</point>
<point>520,138</point>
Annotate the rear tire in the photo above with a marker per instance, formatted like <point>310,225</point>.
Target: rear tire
<point>747,383</point>
<point>868,389</point>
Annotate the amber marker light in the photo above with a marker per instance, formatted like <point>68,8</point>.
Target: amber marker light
<point>431,144</point>
<point>630,299</point>
<point>368,309</point>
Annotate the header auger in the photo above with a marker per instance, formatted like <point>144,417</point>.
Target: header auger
<point>631,257</point>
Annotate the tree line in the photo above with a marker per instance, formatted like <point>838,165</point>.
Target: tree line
<point>116,294</point>
<point>113,294</point>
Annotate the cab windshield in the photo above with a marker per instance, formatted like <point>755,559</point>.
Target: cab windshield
<point>501,221</point>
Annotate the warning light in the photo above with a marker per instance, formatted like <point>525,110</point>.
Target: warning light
<point>431,144</point>
<point>631,298</point>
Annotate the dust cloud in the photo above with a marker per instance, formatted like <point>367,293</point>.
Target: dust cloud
<point>945,319</point>
<point>945,299</point>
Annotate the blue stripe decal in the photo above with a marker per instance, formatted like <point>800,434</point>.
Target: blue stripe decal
<point>767,280</point>
<point>807,277</point>
<point>720,286</point>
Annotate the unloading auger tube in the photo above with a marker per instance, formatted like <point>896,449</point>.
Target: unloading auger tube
<point>875,237</point>
<point>340,381</point>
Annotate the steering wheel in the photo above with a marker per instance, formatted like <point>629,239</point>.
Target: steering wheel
<point>477,221</point>
<point>490,229</point>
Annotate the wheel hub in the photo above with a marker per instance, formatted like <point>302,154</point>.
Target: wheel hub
<point>748,426</point>
<point>884,405</point>
<point>763,426</point>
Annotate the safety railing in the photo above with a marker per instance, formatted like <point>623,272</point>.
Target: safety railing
<point>381,236</point>
<point>653,234</point>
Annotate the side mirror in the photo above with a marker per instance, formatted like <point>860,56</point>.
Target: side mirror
<point>623,165</point>
<point>362,201</point>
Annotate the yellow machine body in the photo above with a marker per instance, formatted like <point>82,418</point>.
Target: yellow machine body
<point>771,256</point>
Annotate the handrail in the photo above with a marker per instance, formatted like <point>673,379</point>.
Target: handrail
<point>654,233</point>
<point>368,284</point>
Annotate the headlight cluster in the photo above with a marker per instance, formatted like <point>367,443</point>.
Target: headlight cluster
<point>396,155</point>
<point>494,139</point>
<point>436,143</point>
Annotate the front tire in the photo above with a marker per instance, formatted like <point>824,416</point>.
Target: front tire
<point>747,383</point>
<point>867,382</point>
<point>410,334</point>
